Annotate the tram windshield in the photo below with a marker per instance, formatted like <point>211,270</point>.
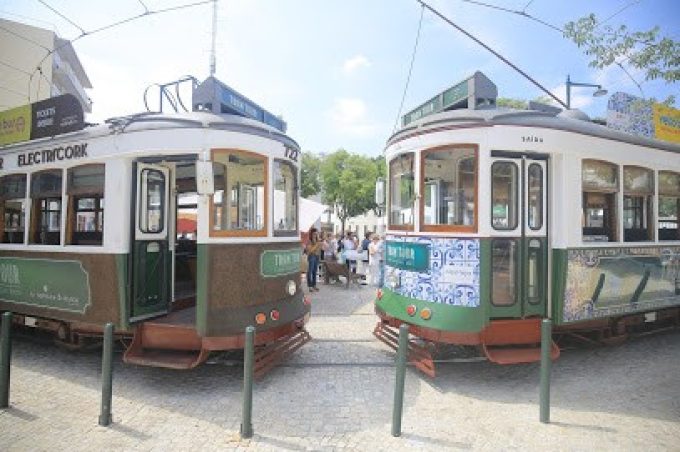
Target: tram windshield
<point>402,191</point>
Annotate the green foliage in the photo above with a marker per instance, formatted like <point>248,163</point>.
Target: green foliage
<point>506,102</point>
<point>348,183</point>
<point>310,175</point>
<point>658,56</point>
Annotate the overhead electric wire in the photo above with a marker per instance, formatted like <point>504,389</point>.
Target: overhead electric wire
<point>24,38</point>
<point>15,68</point>
<point>498,55</point>
<point>410,69</point>
<point>619,12</point>
<point>145,8</point>
<point>62,16</point>
<point>106,27</point>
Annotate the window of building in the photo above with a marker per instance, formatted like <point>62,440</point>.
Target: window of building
<point>449,182</point>
<point>46,207</point>
<point>600,181</point>
<point>638,195</point>
<point>669,205</point>
<point>13,205</point>
<point>86,205</point>
<point>285,198</point>
<point>504,195</point>
<point>239,205</point>
<point>402,192</point>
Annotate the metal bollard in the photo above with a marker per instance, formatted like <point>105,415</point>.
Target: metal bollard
<point>107,376</point>
<point>546,347</point>
<point>5,358</point>
<point>248,360</point>
<point>402,357</point>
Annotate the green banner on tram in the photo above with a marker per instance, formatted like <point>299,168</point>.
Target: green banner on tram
<point>280,262</point>
<point>60,285</point>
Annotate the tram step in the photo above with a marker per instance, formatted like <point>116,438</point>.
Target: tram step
<point>164,336</point>
<point>515,341</point>
<point>171,359</point>
<point>517,354</point>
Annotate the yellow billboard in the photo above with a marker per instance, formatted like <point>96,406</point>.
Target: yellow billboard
<point>15,125</point>
<point>666,123</point>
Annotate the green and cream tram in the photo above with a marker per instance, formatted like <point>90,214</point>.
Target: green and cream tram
<point>497,219</point>
<point>181,229</point>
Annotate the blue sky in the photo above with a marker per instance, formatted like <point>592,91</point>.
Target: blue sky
<point>335,70</point>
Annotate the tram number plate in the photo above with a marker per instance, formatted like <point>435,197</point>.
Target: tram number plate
<point>30,321</point>
<point>650,316</point>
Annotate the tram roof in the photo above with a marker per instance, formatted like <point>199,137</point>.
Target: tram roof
<point>527,118</point>
<point>166,121</point>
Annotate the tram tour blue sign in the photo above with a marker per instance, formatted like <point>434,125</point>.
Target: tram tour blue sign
<point>408,256</point>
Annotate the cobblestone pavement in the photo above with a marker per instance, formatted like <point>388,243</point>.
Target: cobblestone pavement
<point>336,394</point>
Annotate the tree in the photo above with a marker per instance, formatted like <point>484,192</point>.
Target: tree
<point>658,56</point>
<point>310,183</point>
<point>506,102</point>
<point>348,182</point>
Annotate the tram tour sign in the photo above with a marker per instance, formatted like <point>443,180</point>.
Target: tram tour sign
<point>408,256</point>
<point>280,262</point>
<point>60,285</point>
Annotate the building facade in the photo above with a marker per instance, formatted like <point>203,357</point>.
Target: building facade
<point>22,48</point>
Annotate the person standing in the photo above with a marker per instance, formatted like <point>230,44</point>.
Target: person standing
<point>349,246</point>
<point>375,260</point>
<point>313,251</point>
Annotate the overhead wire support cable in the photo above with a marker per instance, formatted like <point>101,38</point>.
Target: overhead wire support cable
<point>62,16</point>
<point>512,11</point>
<point>498,55</point>
<point>410,69</point>
<point>106,27</point>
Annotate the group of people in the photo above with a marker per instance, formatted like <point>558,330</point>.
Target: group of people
<point>323,246</point>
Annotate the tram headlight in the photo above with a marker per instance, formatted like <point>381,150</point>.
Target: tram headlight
<point>291,287</point>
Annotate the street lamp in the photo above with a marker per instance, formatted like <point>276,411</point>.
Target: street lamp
<point>598,93</point>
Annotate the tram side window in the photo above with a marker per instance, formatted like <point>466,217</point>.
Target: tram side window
<point>402,191</point>
<point>46,210</point>
<point>85,225</point>
<point>13,205</point>
<point>239,202</point>
<point>638,194</point>
<point>285,198</point>
<point>504,195</point>
<point>669,205</point>
<point>600,188</point>
<point>450,179</point>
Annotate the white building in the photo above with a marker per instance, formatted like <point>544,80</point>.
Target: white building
<point>22,48</point>
<point>360,225</point>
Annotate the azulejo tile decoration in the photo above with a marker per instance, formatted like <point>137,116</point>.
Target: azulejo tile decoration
<point>452,277</point>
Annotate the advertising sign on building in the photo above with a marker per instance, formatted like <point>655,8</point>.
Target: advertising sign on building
<point>642,117</point>
<point>47,118</point>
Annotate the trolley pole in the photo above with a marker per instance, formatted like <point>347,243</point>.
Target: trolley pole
<point>546,346</point>
<point>5,358</point>
<point>107,376</point>
<point>402,356</point>
<point>248,360</point>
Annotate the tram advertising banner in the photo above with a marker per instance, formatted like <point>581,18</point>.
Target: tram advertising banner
<point>45,283</point>
<point>603,282</point>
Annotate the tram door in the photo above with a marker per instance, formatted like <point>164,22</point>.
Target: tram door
<point>151,257</point>
<point>519,254</point>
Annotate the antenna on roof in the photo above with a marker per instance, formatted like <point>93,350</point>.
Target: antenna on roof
<point>213,59</point>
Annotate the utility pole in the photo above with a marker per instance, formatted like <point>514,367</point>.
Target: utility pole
<point>213,59</point>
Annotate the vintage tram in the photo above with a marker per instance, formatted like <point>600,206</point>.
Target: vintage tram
<point>181,229</point>
<point>498,219</point>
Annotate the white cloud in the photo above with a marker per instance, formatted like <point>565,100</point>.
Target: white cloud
<point>351,65</point>
<point>350,116</point>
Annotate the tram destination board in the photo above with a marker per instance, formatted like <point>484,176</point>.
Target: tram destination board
<point>408,256</point>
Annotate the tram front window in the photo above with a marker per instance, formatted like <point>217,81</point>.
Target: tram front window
<point>239,202</point>
<point>86,205</point>
<point>402,191</point>
<point>669,205</point>
<point>450,177</point>
<point>13,205</point>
